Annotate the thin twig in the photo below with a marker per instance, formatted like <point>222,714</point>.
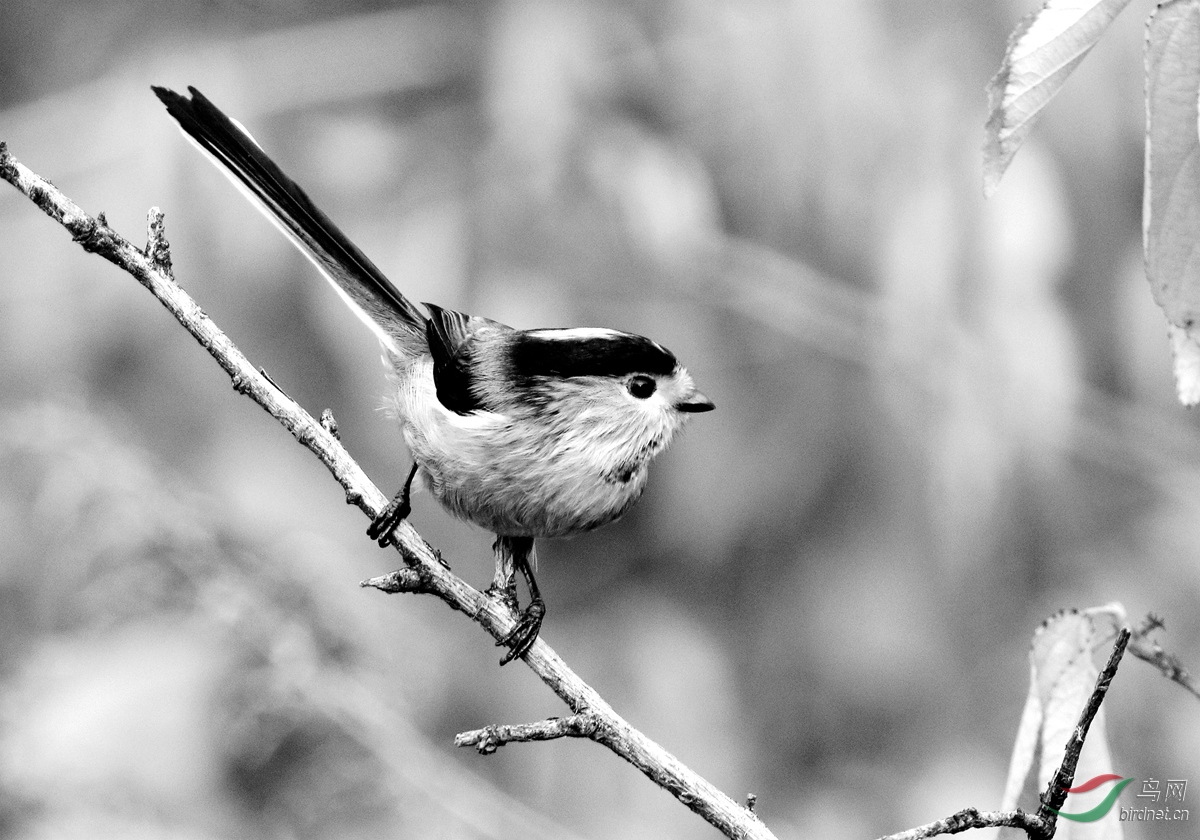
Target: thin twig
<point>491,738</point>
<point>613,731</point>
<point>1149,650</point>
<point>1056,791</point>
<point>969,818</point>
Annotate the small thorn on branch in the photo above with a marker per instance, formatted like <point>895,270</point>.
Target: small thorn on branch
<point>402,580</point>
<point>491,738</point>
<point>329,424</point>
<point>751,801</point>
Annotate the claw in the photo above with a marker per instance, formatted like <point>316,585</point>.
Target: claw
<point>384,525</point>
<point>398,509</point>
<point>521,638</point>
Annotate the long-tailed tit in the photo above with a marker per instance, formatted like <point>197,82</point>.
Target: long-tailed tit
<point>528,433</point>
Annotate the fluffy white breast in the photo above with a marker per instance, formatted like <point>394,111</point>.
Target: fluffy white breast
<point>526,473</point>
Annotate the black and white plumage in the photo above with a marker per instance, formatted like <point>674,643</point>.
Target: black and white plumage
<point>528,433</point>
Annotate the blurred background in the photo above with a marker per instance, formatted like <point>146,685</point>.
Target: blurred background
<point>939,419</point>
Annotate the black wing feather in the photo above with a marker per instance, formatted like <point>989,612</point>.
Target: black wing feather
<point>450,336</point>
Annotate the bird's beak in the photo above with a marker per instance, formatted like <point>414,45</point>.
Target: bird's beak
<point>696,403</point>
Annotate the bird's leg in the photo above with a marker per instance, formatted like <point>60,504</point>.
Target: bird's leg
<point>504,582</point>
<point>513,553</point>
<point>397,511</point>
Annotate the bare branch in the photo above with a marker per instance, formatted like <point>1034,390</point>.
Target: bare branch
<point>1056,790</point>
<point>969,818</point>
<point>491,738</point>
<point>423,565</point>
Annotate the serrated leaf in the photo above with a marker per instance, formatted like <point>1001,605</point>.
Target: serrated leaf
<point>1062,677</point>
<point>1042,51</point>
<point>1171,203</point>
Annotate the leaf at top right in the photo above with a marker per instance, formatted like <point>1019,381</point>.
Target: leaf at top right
<point>1171,203</point>
<point>1042,52</point>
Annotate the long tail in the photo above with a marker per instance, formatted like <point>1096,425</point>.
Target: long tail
<point>381,306</point>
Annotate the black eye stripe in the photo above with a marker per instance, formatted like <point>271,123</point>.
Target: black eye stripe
<point>615,354</point>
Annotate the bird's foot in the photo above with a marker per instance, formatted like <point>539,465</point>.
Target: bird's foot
<point>521,638</point>
<point>397,511</point>
<point>389,519</point>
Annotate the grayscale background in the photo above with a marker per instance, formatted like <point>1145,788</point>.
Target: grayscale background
<point>939,419</point>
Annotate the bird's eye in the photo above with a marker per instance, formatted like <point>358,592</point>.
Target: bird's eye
<point>642,387</point>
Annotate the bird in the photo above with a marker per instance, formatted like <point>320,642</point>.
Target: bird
<point>528,433</point>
